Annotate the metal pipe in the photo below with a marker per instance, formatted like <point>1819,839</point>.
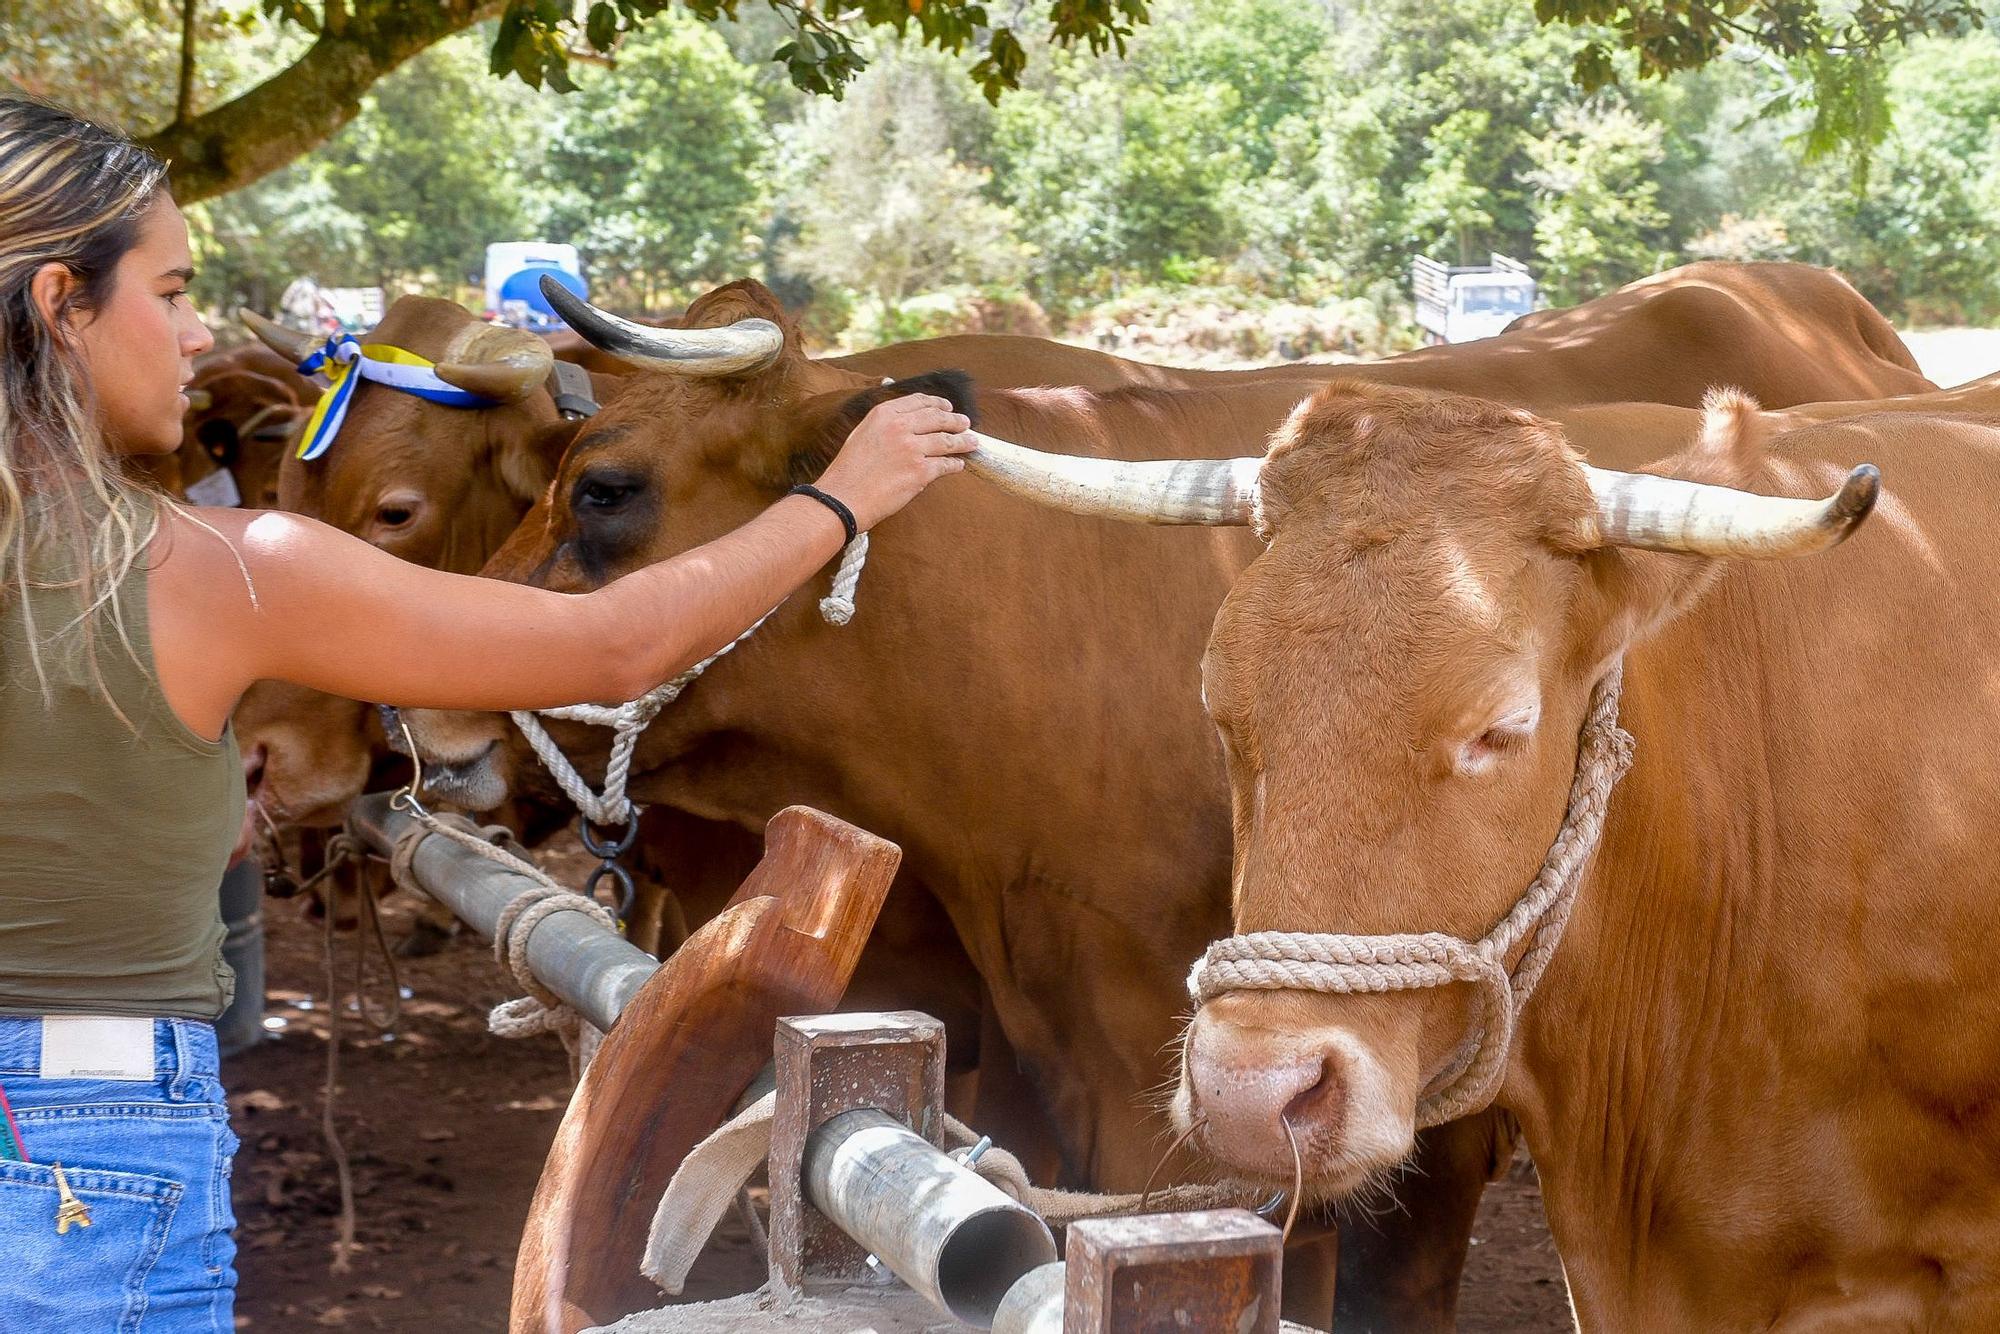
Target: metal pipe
<point>596,971</point>
<point>1035,1304</point>
<point>939,1226</point>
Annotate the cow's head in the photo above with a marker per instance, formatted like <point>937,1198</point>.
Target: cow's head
<point>242,424</point>
<point>305,754</point>
<point>437,485</point>
<point>427,482</point>
<point>729,413</point>
<point>1399,681</point>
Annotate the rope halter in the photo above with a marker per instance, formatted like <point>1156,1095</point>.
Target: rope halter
<point>628,721</point>
<point>1349,964</point>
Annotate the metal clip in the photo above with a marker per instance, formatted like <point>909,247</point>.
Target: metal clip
<point>608,851</point>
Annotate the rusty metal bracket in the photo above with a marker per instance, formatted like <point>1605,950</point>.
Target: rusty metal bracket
<point>1216,1269</point>
<point>826,1065</point>
<point>1154,1274</point>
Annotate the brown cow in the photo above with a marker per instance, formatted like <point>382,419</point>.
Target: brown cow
<point>238,416</point>
<point>1756,1076</point>
<point>442,486</point>
<point>1063,796</point>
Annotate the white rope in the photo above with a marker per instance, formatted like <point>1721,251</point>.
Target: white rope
<point>610,806</point>
<point>838,606</point>
<point>1340,963</point>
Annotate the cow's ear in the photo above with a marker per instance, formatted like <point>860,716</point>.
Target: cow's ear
<point>823,423</point>
<point>526,462</point>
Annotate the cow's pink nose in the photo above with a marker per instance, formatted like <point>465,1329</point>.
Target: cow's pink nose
<point>1247,1088</point>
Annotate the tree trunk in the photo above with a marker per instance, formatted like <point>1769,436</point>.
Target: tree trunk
<point>299,109</point>
<point>184,97</point>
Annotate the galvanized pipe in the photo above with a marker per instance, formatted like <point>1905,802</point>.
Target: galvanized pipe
<point>596,971</point>
<point>938,1226</point>
<point>1034,1305</point>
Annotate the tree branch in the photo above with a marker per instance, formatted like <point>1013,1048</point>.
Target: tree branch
<point>231,145</point>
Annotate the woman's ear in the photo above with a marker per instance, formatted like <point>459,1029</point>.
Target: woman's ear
<point>51,289</point>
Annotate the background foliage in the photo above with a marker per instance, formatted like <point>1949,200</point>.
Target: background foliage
<point>1281,160</point>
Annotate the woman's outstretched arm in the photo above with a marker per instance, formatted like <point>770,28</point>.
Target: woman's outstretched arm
<point>333,613</point>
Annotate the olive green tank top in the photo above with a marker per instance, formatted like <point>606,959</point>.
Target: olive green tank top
<point>114,832</point>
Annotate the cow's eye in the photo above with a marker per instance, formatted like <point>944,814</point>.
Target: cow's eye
<point>394,516</point>
<point>1480,754</point>
<point>605,493</point>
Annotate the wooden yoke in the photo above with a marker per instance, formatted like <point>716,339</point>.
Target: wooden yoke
<point>681,1054</point>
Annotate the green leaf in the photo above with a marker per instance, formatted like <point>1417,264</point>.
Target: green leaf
<point>601,28</point>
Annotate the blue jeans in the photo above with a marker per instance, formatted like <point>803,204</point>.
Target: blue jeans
<point>150,1160</point>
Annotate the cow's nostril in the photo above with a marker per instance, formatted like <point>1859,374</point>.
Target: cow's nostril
<point>1320,1107</point>
<point>253,769</point>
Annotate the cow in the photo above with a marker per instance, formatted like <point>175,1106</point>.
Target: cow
<point>239,413</point>
<point>1012,703</point>
<point>1757,1075</point>
<point>442,486</point>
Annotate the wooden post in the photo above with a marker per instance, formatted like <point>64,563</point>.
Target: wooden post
<point>681,1054</point>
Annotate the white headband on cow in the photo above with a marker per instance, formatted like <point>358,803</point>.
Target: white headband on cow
<point>345,361</point>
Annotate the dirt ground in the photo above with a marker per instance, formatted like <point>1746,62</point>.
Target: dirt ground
<point>445,1128</point>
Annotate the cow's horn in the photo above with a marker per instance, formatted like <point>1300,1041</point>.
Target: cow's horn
<point>1665,514</point>
<point>290,344</point>
<point>1217,492</point>
<point>496,362</point>
<point>742,348</point>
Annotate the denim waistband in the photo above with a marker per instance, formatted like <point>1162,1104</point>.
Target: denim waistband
<point>182,1048</point>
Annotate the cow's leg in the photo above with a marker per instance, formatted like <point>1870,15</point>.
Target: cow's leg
<point>429,933</point>
<point>1400,1263</point>
<point>1007,1106</point>
<point>1311,1265</point>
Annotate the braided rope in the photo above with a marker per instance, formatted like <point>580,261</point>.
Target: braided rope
<point>838,606</point>
<point>628,721</point>
<point>1339,963</point>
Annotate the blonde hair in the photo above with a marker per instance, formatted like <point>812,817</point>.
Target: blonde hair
<point>72,192</point>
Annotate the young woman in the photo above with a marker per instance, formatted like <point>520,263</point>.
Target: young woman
<point>129,627</point>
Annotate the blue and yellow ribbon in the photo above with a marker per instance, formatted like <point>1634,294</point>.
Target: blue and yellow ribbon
<point>345,362</point>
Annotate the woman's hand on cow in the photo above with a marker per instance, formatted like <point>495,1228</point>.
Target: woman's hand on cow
<point>900,447</point>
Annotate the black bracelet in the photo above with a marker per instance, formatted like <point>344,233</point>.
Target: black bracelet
<point>844,514</point>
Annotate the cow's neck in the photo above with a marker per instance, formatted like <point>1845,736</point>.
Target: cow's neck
<point>1065,801</point>
<point>1727,1078</point>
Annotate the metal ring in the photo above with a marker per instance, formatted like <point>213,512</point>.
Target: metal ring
<point>405,799</point>
<point>626,891</point>
<point>587,831</point>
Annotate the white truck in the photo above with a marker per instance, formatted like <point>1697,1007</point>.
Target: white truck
<point>1457,303</point>
<point>513,281</point>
